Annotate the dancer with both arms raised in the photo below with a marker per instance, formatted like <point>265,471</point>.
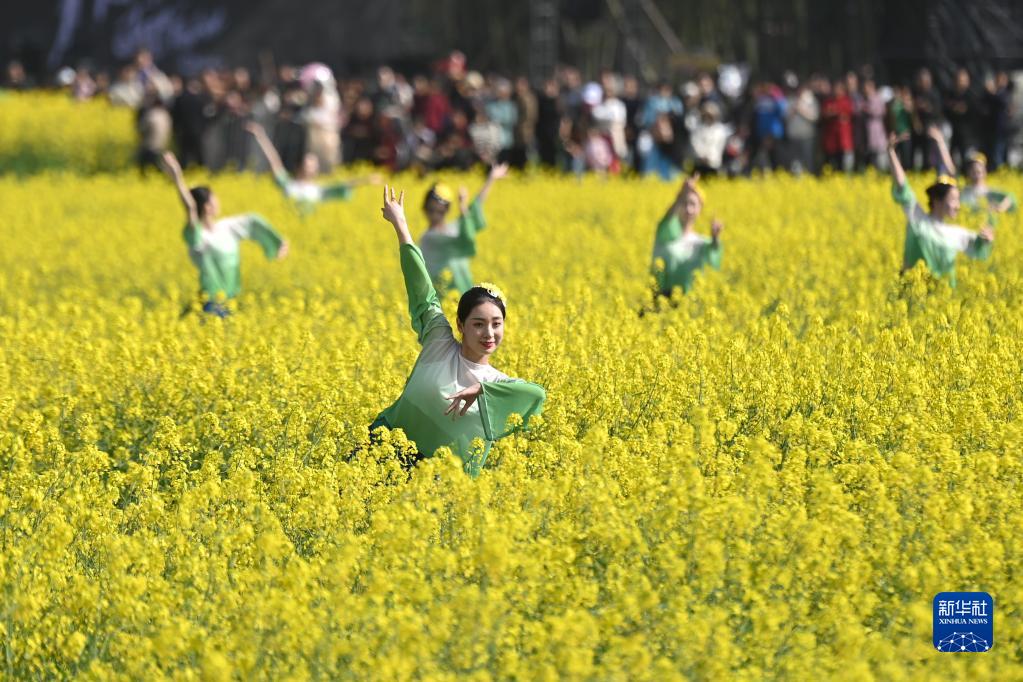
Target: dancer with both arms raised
<point>447,247</point>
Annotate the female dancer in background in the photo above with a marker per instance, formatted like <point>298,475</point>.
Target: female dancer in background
<point>929,237</point>
<point>679,251</point>
<point>447,247</point>
<point>302,189</point>
<point>976,195</point>
<point>213,244</point>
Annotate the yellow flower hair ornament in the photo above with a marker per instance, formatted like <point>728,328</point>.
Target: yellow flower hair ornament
<point>442,193</point>
<point>494,291</point>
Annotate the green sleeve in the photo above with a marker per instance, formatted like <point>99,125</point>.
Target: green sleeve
<point>979,249</point>
<point>476,215</point>
<point>712,254</point>
<point>261,232</point>
<point>500,399</point>
<point>338,191</point>
<point>997,196</point>
<point>903,195</point>
<point>192,234</point>
<point>669,229</point>
<point>282,179</point>
<point>423,305</point>
<point>469,224</point>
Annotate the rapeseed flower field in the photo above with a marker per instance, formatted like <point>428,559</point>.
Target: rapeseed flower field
<point>771,478</point>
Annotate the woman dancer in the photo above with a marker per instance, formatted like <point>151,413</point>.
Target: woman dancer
<point>929,236</point>
<point>213,244</point>
<point>447,247</point>
<point>679,251</point>
<point>302,189</point>
<point>454,395</point>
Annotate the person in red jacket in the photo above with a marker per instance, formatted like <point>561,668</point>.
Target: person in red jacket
<point>837,134</point>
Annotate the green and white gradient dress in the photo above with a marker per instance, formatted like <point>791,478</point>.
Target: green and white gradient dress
<point>677,255</point>
<point>977,200</point>
<point>934,242</point>
<point>215,252</point>
<point>441,370</point>
<point>447,250</point>
<point>307,195</point>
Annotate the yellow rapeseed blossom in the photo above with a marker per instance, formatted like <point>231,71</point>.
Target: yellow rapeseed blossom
<point>770,477</point>
<point>43,131</point>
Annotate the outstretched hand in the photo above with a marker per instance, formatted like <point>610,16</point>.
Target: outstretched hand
<point>689,185</point>
<point>715,228</point>
<point>394,213</point>
<point>463,400</point>
<point>498,171</point>
<point>394,209</point>
<point>894,140</point>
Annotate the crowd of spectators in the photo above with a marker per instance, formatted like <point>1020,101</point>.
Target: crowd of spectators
<point>453,117</point>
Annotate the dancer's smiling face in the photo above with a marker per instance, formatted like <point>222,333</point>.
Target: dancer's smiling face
<point>481,317</point>
<point>482,330</point>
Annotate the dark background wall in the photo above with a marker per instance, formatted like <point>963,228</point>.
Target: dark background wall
<point>650,37</point>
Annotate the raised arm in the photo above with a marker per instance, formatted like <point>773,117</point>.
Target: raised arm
<point>423,304</point>
<point>670,227</point>
<point>939,140</point>
<point>394,213</point>
<point>263,140</point>
<point>173,169</point>
<point>898,173</point>
<point>496,173</point>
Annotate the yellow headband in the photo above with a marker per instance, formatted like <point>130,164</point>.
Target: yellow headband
<point>442,192</point>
